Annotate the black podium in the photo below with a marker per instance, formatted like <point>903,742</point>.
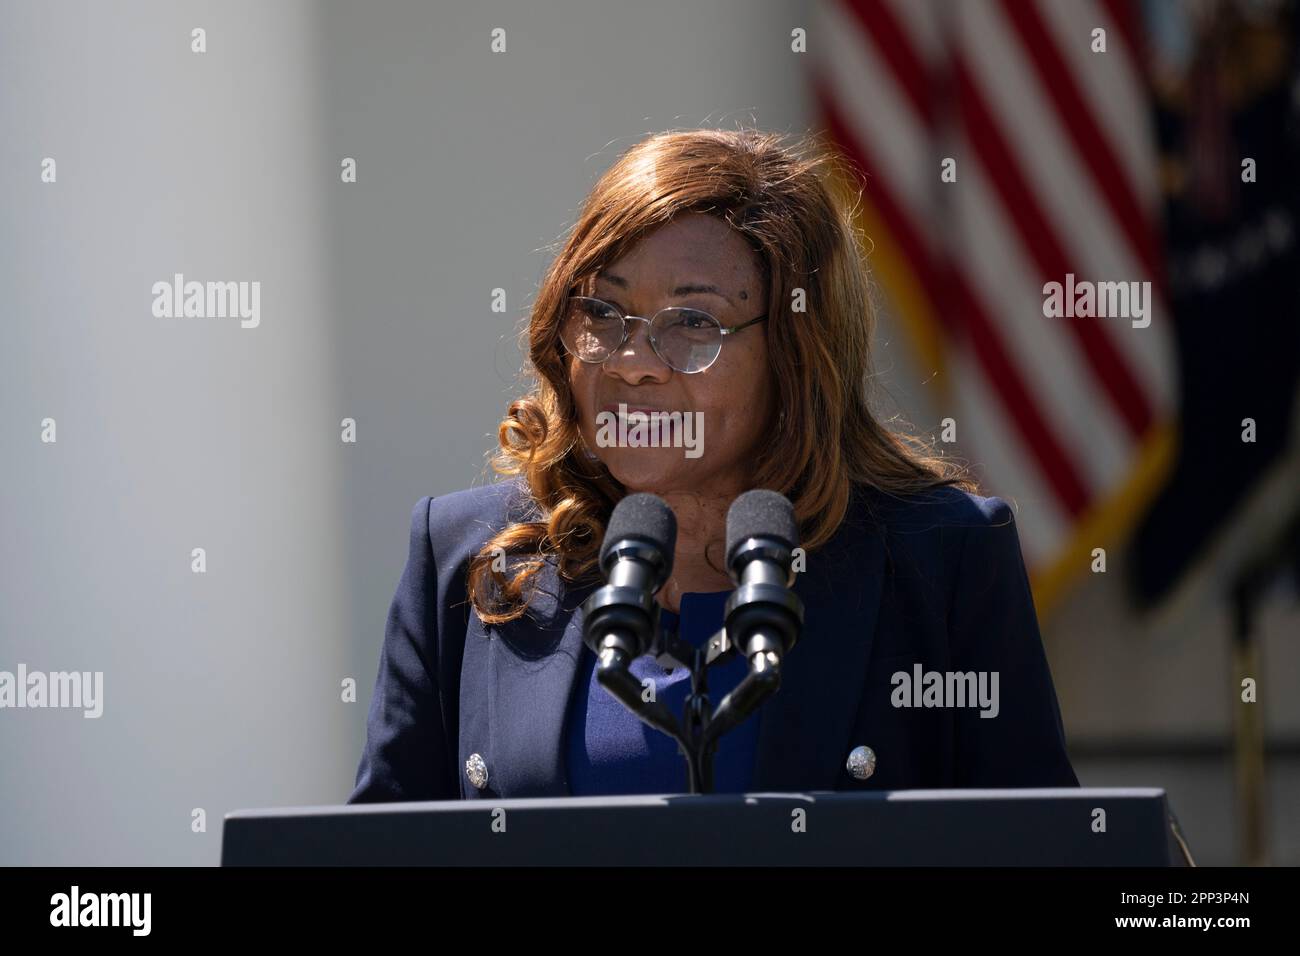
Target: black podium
<point>1021,827</point>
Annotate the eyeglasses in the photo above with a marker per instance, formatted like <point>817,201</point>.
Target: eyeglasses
<point>688,340</point>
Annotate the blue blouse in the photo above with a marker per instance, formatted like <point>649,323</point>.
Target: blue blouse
<point>611,751</point>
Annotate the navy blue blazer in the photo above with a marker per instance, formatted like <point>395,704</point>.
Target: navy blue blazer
<point>935,579</point>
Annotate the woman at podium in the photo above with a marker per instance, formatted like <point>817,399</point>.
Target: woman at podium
<point>706,329</point>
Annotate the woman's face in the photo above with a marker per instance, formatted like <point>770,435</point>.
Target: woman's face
<point>729,403</point>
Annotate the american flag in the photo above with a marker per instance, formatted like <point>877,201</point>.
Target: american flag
<point>1055,174</point>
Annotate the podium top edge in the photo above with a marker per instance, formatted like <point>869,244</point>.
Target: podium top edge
<point>642,800</point>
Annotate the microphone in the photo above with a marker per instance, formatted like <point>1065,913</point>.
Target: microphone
<point>764,617</point>
<point>636,559</point>
<point>621,619</point>
<point>639,543</point>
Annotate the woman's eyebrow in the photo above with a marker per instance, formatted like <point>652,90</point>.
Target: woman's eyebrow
<point>688,289</point>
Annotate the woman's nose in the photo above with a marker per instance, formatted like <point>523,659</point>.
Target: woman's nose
<point>636,360</point>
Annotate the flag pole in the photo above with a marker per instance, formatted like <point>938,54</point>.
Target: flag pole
<point>1249,587</point>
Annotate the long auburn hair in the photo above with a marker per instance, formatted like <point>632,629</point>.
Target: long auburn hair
<point>788,200</point>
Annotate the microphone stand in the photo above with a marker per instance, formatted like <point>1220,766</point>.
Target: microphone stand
<point>698,733</point>
<point>762,622</point>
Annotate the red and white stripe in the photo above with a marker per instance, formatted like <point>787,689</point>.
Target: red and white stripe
<point>1055,174</point>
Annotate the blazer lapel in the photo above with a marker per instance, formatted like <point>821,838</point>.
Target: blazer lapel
<point>531,676</point>
<point>804,732</point>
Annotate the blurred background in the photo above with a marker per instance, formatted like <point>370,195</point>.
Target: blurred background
<point>1110,140</point>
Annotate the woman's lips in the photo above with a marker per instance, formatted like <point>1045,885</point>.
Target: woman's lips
<point>643,426</point>
<point>629,409</point>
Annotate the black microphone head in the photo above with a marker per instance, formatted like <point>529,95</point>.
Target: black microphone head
<point>641,517</point>
<point>760,514</point>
